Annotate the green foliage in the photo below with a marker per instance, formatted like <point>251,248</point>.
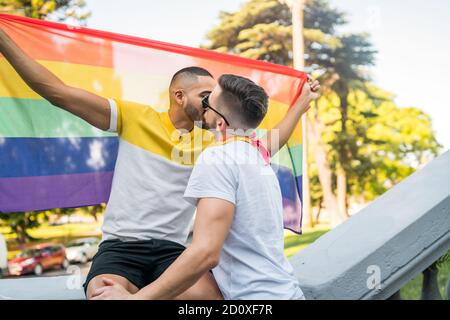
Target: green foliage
<point>376,142</point>
<point>20,222</point>
<point>444,260</point>
<point>262,29</point>
<point>68,10</point>
<point>386,143</point>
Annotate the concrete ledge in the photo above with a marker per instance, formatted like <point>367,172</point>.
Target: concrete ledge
<point>397,236</point>
<point>43,288</point>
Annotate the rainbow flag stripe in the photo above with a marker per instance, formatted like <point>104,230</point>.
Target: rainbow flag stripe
<point>49,158</point>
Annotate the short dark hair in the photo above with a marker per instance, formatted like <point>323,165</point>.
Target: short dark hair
<point>247,102</point>
<point>190,72</point>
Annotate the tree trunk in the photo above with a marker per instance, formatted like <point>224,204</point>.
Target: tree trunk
<point>430,287</point>
<point>317,219</point>
<point>448,288</point>
<point>307,212</point>
<point>21,233</point>
<point>342,191</point>
<point>94,213</point>
<point>324,173</point>
<point>344,156</point>
<point>298,43</point>
<point>395,296</point>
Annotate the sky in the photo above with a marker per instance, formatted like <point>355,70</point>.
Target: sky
<point>411,36</point>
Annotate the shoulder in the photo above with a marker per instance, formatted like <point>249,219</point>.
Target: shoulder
<point>125,105</point>
<point>229,155</point>
<point>213,154</point>
<point>214,168</point>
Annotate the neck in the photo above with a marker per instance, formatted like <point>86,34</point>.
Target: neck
<point>229,133</point>
<point>179,119</point>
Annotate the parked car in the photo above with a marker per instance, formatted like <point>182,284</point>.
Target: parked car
<point>82,250</point>
<point>39,258</point>
<point>3,257</point>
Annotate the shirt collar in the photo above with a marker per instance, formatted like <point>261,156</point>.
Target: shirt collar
<point>173,132</point>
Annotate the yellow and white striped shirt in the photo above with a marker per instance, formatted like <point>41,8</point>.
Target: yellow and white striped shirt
<point>153,166</point>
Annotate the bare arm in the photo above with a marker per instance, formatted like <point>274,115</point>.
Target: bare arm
<point>212,224</point>
<point>88,106</point>
<point>285,127</point>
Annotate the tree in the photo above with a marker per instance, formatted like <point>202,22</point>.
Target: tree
<point>386,142</point>
<point>60,10</point>
<point>21,222</point>
<point>349,62</point>
<point>240,33</point>
<point>262,29</point>
<point>95,210</point>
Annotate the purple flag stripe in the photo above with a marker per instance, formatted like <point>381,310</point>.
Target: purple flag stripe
<point>60,191</point>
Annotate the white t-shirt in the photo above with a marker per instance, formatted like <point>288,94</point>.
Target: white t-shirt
<point>252,263</point>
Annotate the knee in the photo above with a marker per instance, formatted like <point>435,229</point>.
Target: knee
<point>92,285</point>
<point>89,291</point>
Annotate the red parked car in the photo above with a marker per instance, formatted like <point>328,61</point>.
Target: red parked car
<point>38,258</point>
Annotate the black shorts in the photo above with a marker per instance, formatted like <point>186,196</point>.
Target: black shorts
<point>140,262</point>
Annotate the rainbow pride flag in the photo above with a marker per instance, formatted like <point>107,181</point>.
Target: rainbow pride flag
<point>49,158</point>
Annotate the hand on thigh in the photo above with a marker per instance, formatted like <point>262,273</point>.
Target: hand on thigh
<point>97,282</point>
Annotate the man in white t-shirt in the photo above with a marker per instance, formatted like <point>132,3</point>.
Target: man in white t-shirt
<point>238,232</point>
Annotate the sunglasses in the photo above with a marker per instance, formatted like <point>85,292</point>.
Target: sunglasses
<point>206,106</point>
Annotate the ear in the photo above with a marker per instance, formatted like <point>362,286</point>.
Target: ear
<point>179,96</point>
<point>221,125</point>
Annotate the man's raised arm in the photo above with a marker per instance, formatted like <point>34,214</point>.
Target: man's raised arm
<point>88,106</point>
<point>286,126</point>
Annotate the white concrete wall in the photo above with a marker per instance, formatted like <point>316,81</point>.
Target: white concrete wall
<point>396,237</point>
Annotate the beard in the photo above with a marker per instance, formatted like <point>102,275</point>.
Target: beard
<point>202,124</point>
<point>205,126</point>
<point>192,112</point>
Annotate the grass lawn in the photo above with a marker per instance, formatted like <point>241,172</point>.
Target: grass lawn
<point>412,290</point>
<point>293,243</point>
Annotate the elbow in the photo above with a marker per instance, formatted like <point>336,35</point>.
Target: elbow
<point>55,93</point>
<point>54,101</point>
<point>213,261</point>
<point>55,97</point>
<point>209,257</point>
